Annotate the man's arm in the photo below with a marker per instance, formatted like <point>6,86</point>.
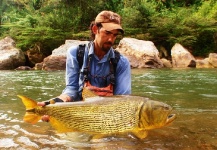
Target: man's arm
<point>123,77</point>
<point>72,76</point>
<point>70,93</point>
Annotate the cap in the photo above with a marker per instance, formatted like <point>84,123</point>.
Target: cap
<point>109,20</point>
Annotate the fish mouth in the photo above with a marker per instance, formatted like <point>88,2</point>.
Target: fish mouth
<point>171,118</point>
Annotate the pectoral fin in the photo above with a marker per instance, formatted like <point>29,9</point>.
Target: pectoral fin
<point>141,134</point>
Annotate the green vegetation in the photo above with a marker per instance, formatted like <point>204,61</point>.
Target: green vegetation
<point>46,24</point>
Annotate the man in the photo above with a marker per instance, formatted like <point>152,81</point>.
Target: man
<point>96,72</point>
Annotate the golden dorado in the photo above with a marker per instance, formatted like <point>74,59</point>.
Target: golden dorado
<point>103,115</point>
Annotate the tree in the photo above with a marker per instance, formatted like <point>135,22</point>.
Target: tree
<point>47,23</point>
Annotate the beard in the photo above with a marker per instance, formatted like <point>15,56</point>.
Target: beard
<point>106,46</point>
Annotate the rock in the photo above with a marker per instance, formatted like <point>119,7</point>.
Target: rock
<point>10,56</point>
<point>141,54</point>
<point>204,63</point>
<point>38,66</point>
<point>23,68</point>
<point>54,63</point>
<point>181,57</point>
<point>57,61</point>
<point>62,50</point>
<point>213,59</point>
<point>166,63</point>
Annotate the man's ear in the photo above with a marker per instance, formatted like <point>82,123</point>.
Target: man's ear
<point>94,29</point>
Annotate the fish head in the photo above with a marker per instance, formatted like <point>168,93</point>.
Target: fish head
<point>155,114</point>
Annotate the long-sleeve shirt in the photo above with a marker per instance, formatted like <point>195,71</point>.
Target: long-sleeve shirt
<point>99,71</point>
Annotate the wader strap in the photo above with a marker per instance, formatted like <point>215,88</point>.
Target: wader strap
<point>80,55</point>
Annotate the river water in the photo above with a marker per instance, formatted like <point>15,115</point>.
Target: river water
<point>191,92</point>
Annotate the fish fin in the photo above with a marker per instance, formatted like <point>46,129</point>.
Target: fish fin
<point>141,134</point>
<point>86,93</point>
<point>59,126</point>
<point>31,117</point>
<point>29,103</point>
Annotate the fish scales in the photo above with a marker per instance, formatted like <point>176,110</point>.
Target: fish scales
<point>113,116</point>
<point>103,115</point>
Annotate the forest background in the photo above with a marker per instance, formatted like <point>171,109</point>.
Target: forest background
<point>44,25</point>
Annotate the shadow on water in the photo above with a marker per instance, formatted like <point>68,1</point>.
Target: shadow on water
<point>191,92</point>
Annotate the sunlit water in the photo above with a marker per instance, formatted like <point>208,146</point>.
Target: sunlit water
<point>191,92</point>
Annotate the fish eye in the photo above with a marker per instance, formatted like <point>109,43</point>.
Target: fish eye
<point>170,116</point>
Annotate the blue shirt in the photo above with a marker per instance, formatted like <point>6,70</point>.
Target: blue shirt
<point>99,70</point>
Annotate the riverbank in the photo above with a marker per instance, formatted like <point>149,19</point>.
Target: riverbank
<point>140,53</point>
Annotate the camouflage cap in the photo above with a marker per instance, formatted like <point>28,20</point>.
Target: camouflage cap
<point>109,20</point>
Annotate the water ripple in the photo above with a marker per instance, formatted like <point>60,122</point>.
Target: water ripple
<point>7,143</point>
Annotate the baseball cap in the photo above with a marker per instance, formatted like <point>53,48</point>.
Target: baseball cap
<point>109,20</point>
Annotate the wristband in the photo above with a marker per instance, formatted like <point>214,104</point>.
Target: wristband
<point>57,99</point>
<point>53,101</point>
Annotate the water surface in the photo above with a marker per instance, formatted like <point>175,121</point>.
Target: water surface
<point>191,92</point>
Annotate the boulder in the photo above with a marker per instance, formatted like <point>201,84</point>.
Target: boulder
<point>141,54</point>
<point>10,56</point>
<point>57,60</point>
<point>203,63</point>
<point>213,59</point>
<point>38,66</point>
<point>166,63</point>
<point>54,63</point>
<point>23,68</point>
<point>181,57</point>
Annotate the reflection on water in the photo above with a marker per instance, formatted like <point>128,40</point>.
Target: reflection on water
<point>191,92</point>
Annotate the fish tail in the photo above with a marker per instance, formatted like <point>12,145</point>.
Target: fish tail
<point>30,116</point>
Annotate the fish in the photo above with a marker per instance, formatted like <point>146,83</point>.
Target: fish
<point>113,115</point>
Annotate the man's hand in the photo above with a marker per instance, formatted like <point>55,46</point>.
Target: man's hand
<point>45,118</point>
<point>61,98</point>
<point>65,98</point>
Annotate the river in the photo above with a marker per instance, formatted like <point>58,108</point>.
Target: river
<point>191,92</point>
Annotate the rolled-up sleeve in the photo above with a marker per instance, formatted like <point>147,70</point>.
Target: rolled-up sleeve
<point>72,74</point>
<point>123,77</point>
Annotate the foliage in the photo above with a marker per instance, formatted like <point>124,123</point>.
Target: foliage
<point>47,23</point>
<point>194,28</point>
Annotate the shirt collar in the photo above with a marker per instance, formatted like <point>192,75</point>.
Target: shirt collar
<point>109,54</point>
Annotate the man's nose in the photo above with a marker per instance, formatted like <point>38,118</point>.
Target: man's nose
<point>112,37</point>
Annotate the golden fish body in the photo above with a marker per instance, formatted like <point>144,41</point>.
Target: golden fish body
<point>103,115</point>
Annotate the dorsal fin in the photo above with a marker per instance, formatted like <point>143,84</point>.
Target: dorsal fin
<point>86,93</point>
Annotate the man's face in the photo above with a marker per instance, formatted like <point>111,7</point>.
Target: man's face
<point>105,39</point>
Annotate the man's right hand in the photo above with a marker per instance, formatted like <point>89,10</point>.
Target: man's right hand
<point>41,104</point>
<point>44,118</point>
<point>61,98</point>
